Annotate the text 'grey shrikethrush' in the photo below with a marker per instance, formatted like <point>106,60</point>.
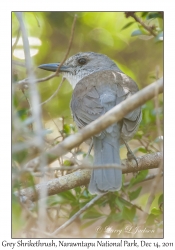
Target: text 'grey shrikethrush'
<point>99,85</point>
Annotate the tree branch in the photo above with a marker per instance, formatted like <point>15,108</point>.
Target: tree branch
<point>95,127</point>
<point>150,29</point>
<point>82,177</point>
<point>89,204</point>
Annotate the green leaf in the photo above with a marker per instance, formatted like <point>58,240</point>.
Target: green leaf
<point>150,219</point>
<point>155,211</point>
<point>22,113</point>
<point>153,15</point>
<point>160,200</point>
<point>87,224</point>
<point>117,216</point>
<point>127,25</point>
<point>107,222</point>
<point>133,195</point>
<point>129,214</point>
<point>18,220</point>
<point>143,150</point>
<point>125,202</point>
<point>92,214</point>
<point>67,163</point>
<point>144,13</point>
<point>66,129</point>
<point>75,210</point>
<point>119,203</point>
<point>67,195</point>
<point>140,177</point>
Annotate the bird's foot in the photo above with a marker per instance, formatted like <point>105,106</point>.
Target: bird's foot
<point>130,154</point>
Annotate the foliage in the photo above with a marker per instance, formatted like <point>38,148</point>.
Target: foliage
<point>139,55</point>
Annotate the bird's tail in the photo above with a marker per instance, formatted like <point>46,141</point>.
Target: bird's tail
<point>106,152</point>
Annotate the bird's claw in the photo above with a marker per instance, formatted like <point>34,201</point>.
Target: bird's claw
<point>131,156</point>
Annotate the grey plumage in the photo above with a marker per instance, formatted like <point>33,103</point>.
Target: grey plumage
<point>99,85</point>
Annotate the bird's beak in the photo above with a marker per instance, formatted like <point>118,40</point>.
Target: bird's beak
<point>53,67</point>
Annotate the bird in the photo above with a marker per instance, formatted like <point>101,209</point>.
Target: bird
<point>98,86</point>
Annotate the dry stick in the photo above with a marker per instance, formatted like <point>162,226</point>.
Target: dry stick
<point>59,86</point>
<point>54,94</point>
<point>24,83</point>
<point>148,28</point>
<point>95,127</point>
<point>70,44</point>
<point>82,177</point>
<point>76,215</point>
<point>36,113</point>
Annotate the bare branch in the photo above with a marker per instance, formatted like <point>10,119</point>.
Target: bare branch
<point>82,177</point>
<point>36,113</point>
<point>137,19</point>
<point>69,46</point>
<point>112,116</point>
<point>89,204</point>
<point>54,94</point>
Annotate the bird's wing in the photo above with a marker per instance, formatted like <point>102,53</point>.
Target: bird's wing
<point>97,93</point>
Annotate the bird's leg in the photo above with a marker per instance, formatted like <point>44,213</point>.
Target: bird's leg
<point>130,154</point>
<point>89,150</point>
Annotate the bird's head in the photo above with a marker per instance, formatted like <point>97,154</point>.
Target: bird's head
<point>80,65</point>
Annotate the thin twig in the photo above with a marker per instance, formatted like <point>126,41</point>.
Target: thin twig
<point>54,94</point>
<point>137,19</point>
<point>76,215</point>
<point>69,46</point>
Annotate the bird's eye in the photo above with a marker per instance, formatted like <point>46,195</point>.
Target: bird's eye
<point>82,61</point>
